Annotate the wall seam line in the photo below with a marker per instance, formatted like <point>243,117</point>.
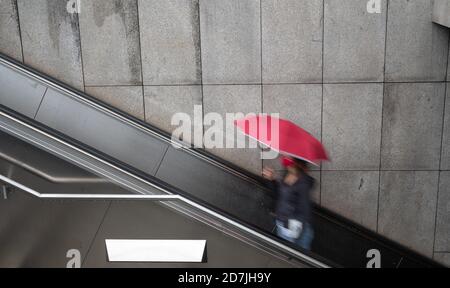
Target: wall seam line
<point>261,64</point>
<point>441,151</point>
<point>321,107</point>
<point>201,73</point>
<point>20,31</point>
<point>380,170</point>
<point>142,64</point>
<point>273,84</point>
<point>81,54</point>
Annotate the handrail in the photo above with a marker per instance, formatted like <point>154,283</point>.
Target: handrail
<point>51,178</point>
<point>172,197</point>
<point>136,188</point>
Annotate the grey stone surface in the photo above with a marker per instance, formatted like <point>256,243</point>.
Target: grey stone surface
<point>412,126</point>
<point>10,43</point>
<point>170,41</point>
<point>407,208</point>
<point>448,64</point>
<point>416,48</point>
<point>352,194</point>
<point>300,103</point>
<point>126,98</point>
<point>292,41</point>
<point>354,42</point>
<point>51,40</point>
<point>352,126</point>
<point>230,40</point>
<point>445,156</point>
<point>443,258</point>
<point>162,102</point>
<point>234,99</point>
<point>442,242</point>
<point>110,42</point>
<point>441,12</point>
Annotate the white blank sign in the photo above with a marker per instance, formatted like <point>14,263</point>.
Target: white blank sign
<point>143,250</point>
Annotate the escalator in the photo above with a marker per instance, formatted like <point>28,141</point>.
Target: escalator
<point>46,213</point>
<point>141,159</point>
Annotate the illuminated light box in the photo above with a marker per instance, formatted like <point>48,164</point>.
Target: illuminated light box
<point>143,250</point>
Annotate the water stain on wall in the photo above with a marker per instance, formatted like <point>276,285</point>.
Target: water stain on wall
<point>102,10</point>
<point>59,21</point>
<point>9,29</point>
<point>14,16</point>
<point>195,25</point>
<point>391,106</point>
<point>128,12</point>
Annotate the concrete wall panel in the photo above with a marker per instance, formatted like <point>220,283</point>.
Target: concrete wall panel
<point>170,41</point>
<point>445,156</point>
<point>408,208</point>
<point>51,40</point>
<point>412,126</point>
<point>416,48</point>
<point>443,258</point>
<point>354,42</point>
<point>292,41</point>
<point>443,214</point>
<point>448,64</point>
<point>352,125</point>
<point>441,12</point>
<point>300,103</point>
<point>234,99</point>
<point>162,102</point>
<point>110,42</point>
<point>127,98</point>
<point>352,194</point>
<point>231,40</point>
<point>10,42</point>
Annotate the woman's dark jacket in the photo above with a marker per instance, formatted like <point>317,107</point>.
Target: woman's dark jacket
<point>293,202</point>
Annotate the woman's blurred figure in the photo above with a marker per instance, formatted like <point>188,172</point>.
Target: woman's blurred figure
<point>293,205</point>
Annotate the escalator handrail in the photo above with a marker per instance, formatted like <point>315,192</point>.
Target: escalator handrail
<point>50,178</point>
<point>172,197</point>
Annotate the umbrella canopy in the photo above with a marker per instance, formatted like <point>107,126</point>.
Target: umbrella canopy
<point>283,136</point>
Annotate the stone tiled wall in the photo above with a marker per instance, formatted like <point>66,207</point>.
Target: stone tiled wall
<point>372,87</point>
<point>441,12</point>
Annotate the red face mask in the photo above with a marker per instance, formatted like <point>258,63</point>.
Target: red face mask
<point>286,161</point>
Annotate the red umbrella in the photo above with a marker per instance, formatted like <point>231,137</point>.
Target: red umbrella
<point>283,136</point>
